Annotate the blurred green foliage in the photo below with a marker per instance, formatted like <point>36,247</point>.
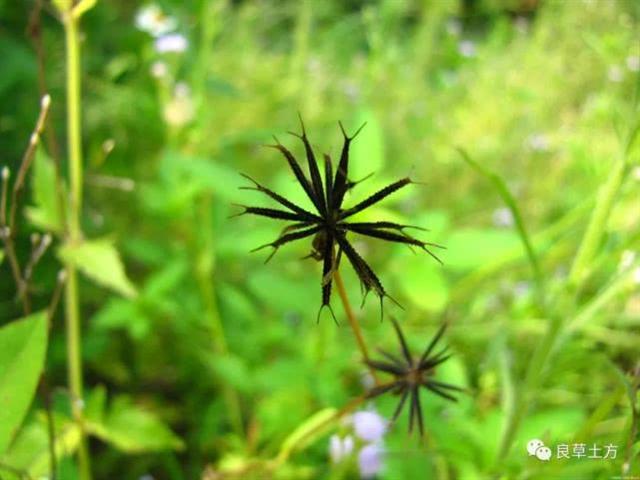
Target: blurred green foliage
<point>200,356</point>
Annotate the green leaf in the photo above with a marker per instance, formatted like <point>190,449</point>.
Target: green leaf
<point>307,432</point>
<point>45,213</point>
<point>30,451</point>
<point>23,344</point>
<point>469,249</point>
<point>1,256</point>
<point>100,261</point>
<point>231,370</point>
<point>132,429</point>
<point>504,192</point>
<point>201,174</point>
<point>367,151</point>
<point>424,284</point>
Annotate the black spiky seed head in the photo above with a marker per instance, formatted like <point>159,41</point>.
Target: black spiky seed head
<point>410,374</point>
<point>328,224</point>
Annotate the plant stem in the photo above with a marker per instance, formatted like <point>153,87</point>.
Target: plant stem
<point>73,332</point>
<point>355,326</point>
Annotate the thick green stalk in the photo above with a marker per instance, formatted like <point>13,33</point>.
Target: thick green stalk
<point>72,300</point>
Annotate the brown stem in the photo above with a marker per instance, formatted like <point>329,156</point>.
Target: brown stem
<point>355,326</point>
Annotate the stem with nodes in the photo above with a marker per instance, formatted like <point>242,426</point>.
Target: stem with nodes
<point>353,323</point>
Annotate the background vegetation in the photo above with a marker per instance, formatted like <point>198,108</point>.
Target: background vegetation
<point>201,358</point>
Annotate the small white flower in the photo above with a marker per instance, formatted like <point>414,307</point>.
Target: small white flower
<point>636,276</point>
<point>159,69</point>
<point>152,19</point>
<point>369,426</point>
<point>633,63</point>
<point>502,217</point>
<point>615,74</point>
<point>467,48</point>
<point>538,142</point>
<point>171,43</point>
<point>370,460</point>
<point>340,448</point>
<point>635,174</point>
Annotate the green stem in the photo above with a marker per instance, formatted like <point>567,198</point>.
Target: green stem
<point>73,330</point>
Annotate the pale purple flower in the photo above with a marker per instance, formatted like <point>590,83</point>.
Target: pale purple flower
<point>154,21</point>
<point>370,460</point>
<point>340,448</point>
<point>467,48</point>
<point>171,43</point>
<point>369,426</point>
<point>633,63</point>
<point>502,217</point>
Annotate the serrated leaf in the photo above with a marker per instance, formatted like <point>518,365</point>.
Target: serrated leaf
<point>132,429</point>
<point>23,344</point>
<point>100,261</point>
<point>45,213</point>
